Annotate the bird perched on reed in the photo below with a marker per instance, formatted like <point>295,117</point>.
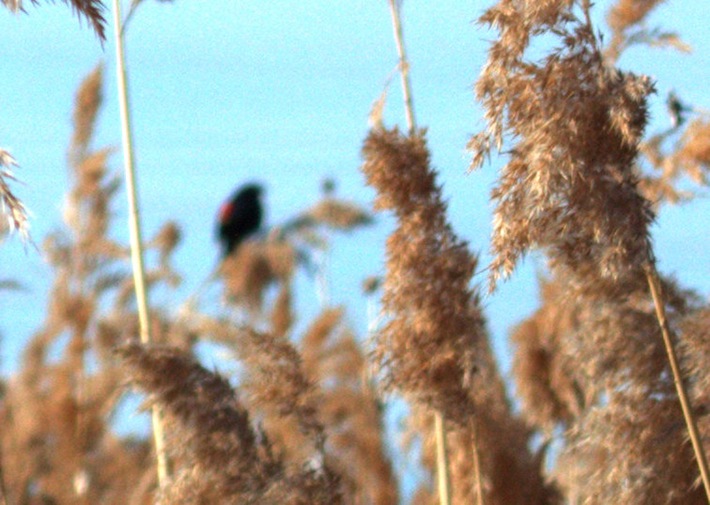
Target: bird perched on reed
<point>239,217</point>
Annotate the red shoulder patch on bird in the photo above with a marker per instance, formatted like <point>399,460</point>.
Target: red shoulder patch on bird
<point>225,211</point>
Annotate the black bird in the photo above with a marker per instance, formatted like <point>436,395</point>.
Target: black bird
<point>239,217</point>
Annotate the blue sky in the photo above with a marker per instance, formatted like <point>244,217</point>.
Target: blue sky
<point>225,91</point>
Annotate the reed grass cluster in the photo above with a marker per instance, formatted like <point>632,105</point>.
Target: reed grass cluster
<point>591,411</point>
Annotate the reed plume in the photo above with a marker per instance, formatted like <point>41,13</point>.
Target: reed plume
<point>428,348</point>
<point>92,10</point>
<point>626,20</point>
<point>675,161</point>
<point>222,457</point>
<point>349,409</point>
<point>57,443</point>
<point>560,191</point>
<point>434,349</point>
<point>12,207</point>
<point>571,188</point>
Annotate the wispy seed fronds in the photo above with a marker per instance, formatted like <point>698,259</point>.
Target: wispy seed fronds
<point>626,13</point>
<point>226,457</point>
<point>277,382</point>
<point>687,159</point>
<point>570,185</point>
<point>427,349</point>
<point>339,214</point>
<point>86,107</point>
<point>12,208</point>
<point>256,265</point>
<point>92,10</point>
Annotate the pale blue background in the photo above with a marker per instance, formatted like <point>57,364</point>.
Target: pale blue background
<point>225,91</point>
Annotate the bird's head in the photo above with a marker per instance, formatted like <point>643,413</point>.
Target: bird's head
<point>252,190</point>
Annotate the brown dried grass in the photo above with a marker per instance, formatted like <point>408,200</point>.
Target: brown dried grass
<point>302,422</point>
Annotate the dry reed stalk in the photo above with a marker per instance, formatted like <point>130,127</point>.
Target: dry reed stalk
<point>395,6</point>
<point>3,492</point>
<point>654,284</point>
<point>442,460</point>
<point>478,484</point>
<point>134,226</point>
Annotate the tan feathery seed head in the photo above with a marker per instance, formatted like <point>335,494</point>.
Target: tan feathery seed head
<point>696,347</point>
<point>570,186</point>
<point>224,458</point>
<point>92,10</point>
<point>254,267</point>
<point>317,334</point>
<point>434,348</point>
<point>627,20</point>
<point>694,152</point>
<point>339,214</point>
<point>626,13</point>
<point>282,314</point>
<point>192,395</point>
<point>349,409</point>
<point>277,383</point>
<point>427,348</point>
<point>695,350</point>
<point>543,373</point>
<point>599,366</point>
<point>166,239</point>
<point>87,104</point>
<point>90,172</point>
<point>13,5</point>
<point>631,450</point>
<point>676,162</point>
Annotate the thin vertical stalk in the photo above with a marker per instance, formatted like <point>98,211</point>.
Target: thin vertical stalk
<point>442,460</point>
<point>3,491</point>
<point>135,229</point>
<point>654,285</point>
<point>476,464</point>
<point>403,65</point>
